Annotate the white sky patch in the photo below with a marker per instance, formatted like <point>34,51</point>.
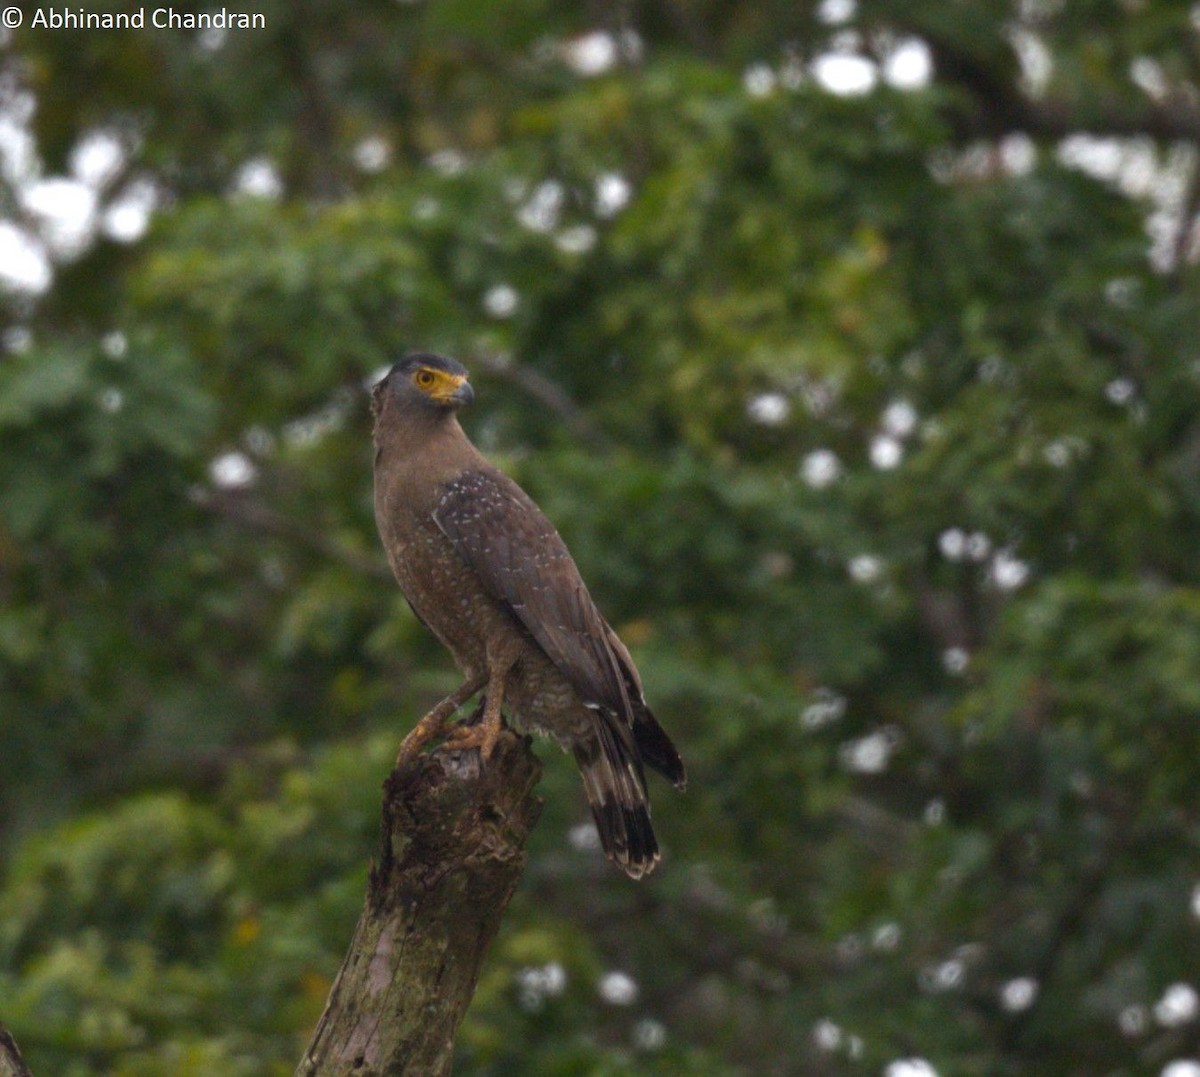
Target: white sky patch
<point>1178,1005</point>
<point>910,1067</point>
<point>24,266</point>
<point>1008,572</point>
<point>1133,1020</point>
<point>17,157</point>
<point>821,469</point>
<point>899,418</point>
<point>66,213</point>
<point>1098,157</point>
<point>1195,902</point>
<point>447,162</point>
<point>1057,454</point>
<point>258,179</point>
<point>1037,65</point>
<point>944,976</point>
<point>886,452</point>
<point>591,54</point>
<point>1119,391</point>
<point>1018,154</point>
<point>955,660</point>
<point>613,192</point>
<point>260,441</point>
<point>372,154</point>
<point>792,73</point>
<point>232,471</point>
<point>649,1035</point>
<point>827,1034</point>
<point>826,707</point>
<point>769,409</point>
<point>1061,451</point>
<point>870,754</point>
<point>541,212</point>
<point>111,399</point>
<point>865,568</point>
<point>501,301</point>
<point>114,344</point>
<point>1018,994</point>
<point>886,937</point>
<point>18,339</point>
<point>820,395</point>
<point>1122,292</point>
<point>1149,77</point>
<point>760,80</point>
<point>978,546</point>
<point>97,160</point>
<point>836,12</point>
<point>128,215</point>
<point>618,988</point>
<point>845,74</point>
<point>578,239</point>
<point>515,189</point>
<point>537,983</point>
<point>552,977</point>
<point>426,208</point>
<point>1132,165</point>
<point>584,837</point>
<point>953,543</point>
<point>909,66</point>
<point>1181,1067</point>
<point>212,38</point>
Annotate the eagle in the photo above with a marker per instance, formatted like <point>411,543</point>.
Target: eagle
<point>486,572</point>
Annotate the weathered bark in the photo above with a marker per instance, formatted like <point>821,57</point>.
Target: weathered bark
<point>11,1063</point>
<point>453,849</point>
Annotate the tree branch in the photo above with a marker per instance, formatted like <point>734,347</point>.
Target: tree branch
<point>1189,208</point>
<point>11,1063</point>
<point>1001,107</point>
<point>453,849</point>
<point>549,394</point>
<point>243,510</point>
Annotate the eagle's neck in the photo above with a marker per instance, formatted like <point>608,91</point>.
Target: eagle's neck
<point>417,451</point>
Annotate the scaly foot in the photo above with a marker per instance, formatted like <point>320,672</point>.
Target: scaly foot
<point>482,736</point>
<point>434,723</point>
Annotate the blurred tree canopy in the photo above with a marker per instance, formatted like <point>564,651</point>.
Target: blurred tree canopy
<point>853,348</point>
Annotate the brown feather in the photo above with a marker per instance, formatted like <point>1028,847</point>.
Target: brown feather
<point>522,560</point>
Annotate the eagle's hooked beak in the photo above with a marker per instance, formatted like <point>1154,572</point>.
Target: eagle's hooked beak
<point>458,391</point>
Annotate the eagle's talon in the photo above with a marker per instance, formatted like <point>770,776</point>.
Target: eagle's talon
<point>483,737</point>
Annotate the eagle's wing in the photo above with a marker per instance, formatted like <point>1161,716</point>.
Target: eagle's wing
<point>523,562</point>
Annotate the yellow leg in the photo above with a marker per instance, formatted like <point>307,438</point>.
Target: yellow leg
<point>485,733</point>
<point>431,726</point>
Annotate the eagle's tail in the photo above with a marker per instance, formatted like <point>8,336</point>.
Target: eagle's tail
<point>616,793</point>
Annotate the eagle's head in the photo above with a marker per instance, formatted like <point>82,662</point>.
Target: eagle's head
<point>425,383</point>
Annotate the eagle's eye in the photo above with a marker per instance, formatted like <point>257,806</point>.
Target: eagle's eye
<point>426,378</point>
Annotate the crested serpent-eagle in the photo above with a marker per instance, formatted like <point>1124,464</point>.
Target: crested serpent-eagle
<point>489,575</point>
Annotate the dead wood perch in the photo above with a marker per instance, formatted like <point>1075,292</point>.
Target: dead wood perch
<point>11,1063</point>
<point>453,849</point>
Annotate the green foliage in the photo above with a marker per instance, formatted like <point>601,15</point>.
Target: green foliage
<point>869,418</point>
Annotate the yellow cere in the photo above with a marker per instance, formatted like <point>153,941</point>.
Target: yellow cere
<point>437,383</point>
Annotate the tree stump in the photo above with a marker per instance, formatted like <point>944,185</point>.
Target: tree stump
<point>453,849</point>
<point>11,1063</point>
